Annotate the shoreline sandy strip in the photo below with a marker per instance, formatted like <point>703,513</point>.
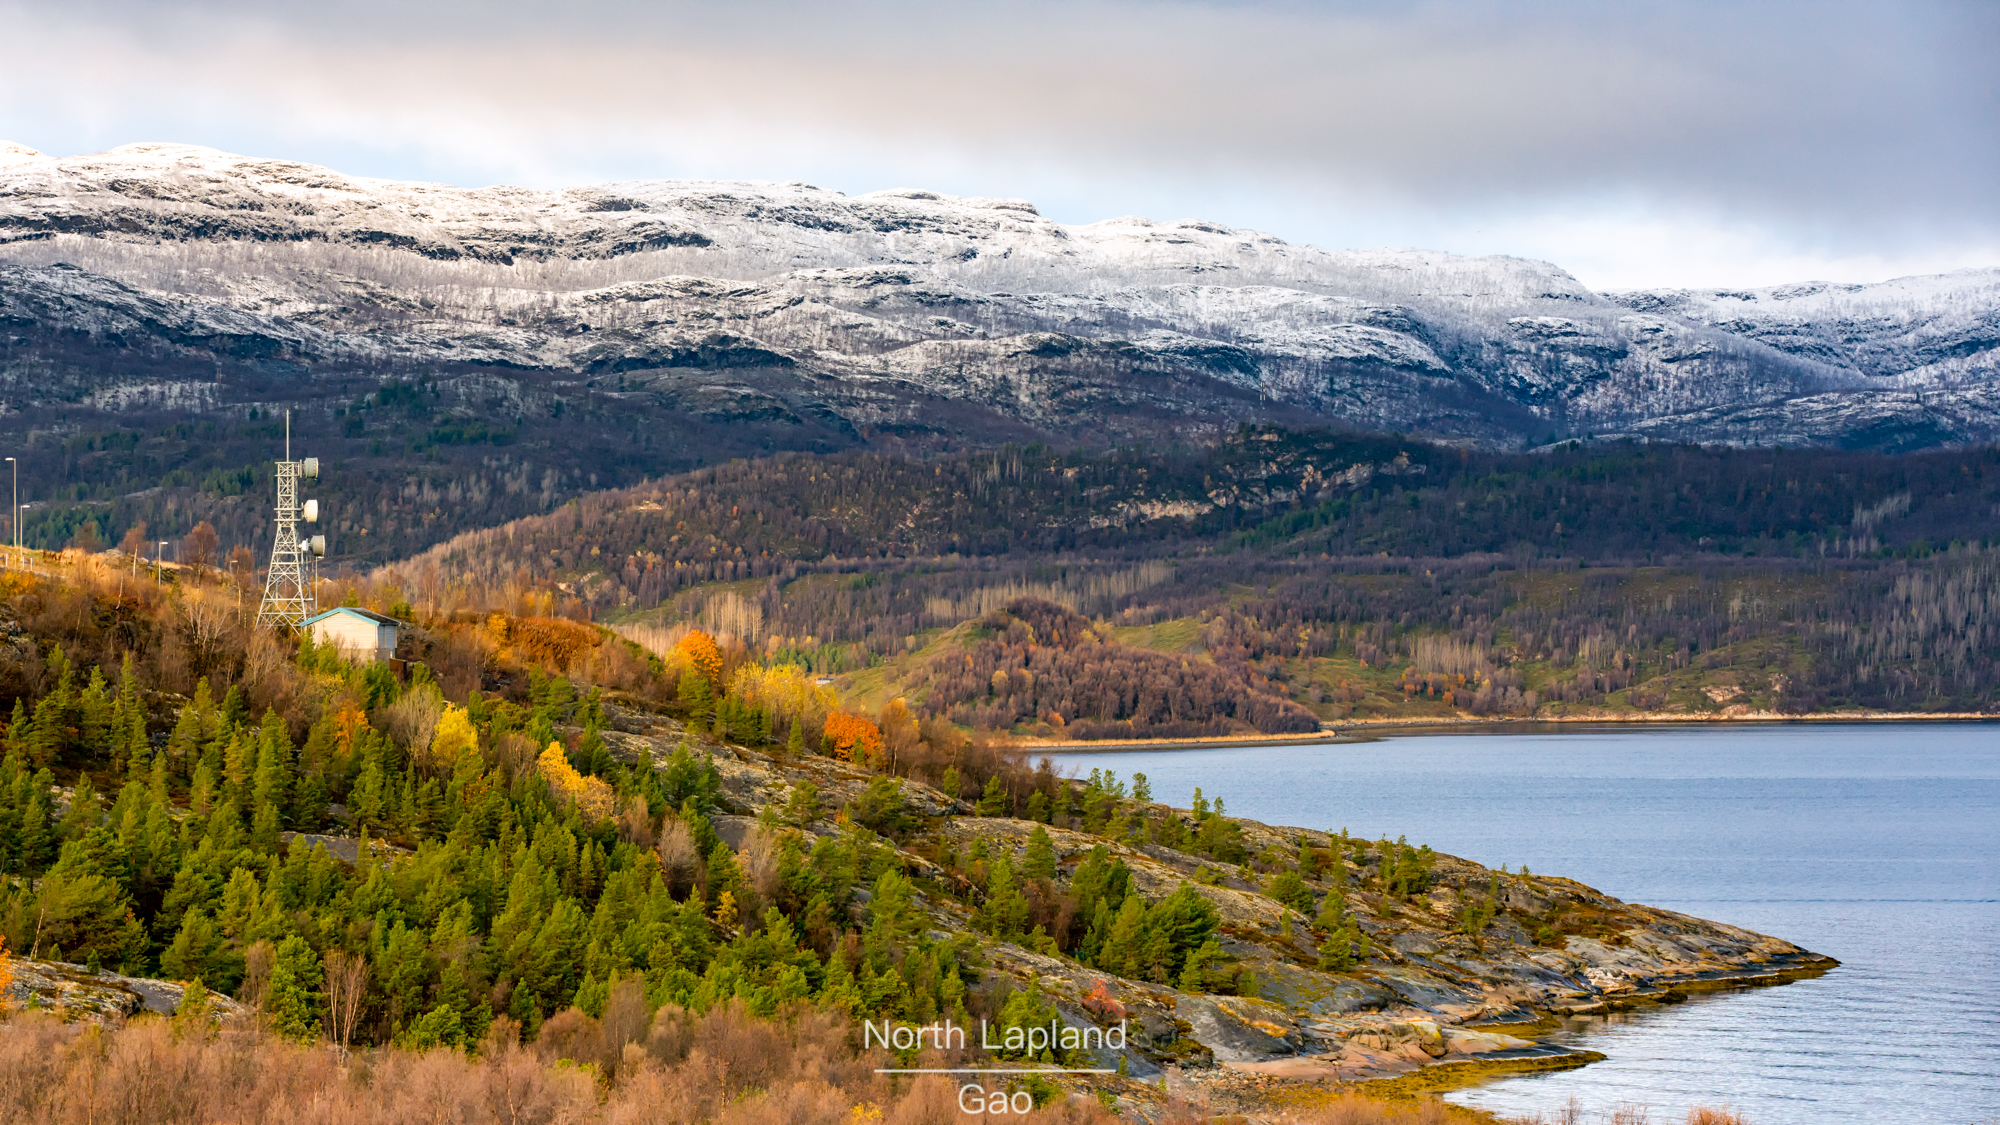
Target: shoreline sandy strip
<point>1368,730</point>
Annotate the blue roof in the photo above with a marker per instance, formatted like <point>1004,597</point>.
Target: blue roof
<point>353,611</point>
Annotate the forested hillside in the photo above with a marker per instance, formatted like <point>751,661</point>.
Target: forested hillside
<point>1314,492</point>
<point>536,851</point>
<point>1360,577</point>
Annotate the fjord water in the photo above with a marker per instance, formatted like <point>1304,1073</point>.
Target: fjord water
<point>1876,844</point>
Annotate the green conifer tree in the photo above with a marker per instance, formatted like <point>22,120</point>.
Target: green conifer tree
<point>84,810</point>
<point>234,712</point>
<point>20,729</point>
<point>292,999</point>
<point>37,847</point>
<point>202,797</point>
<point>1039,862</point>
<point>993,801</point>
<point>265,828</point>
<point>94,728</point>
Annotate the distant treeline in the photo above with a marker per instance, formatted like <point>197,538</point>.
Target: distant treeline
<point>1273,492</point>
<point>1038,662</point>
<point>1848,578</point>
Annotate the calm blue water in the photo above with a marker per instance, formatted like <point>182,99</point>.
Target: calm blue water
<point>1878,845</point>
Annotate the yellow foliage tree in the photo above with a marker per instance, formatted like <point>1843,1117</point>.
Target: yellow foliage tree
<point>454,738</point>
<point>787,691</point>
<point>6,971</point>
<point>590,795</point>
<point>699,652</point>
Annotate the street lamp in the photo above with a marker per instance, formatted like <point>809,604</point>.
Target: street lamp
<point>17,505</point>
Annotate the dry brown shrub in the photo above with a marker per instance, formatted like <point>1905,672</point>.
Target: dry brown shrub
<point>552,641</point>
<point>573,1036</point>
<point>1339,1109</point>
<point>723,1066</point>
<point>412,720</point>
<point>626,1019</point>
<point>635,822</point>
<point>1709,1115</point>
<point>616,664</point>
<point>680,860</point>
<point>514,752</point>
<point>763,862</point>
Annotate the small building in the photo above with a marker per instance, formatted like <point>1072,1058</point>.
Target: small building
<point>358,633</point>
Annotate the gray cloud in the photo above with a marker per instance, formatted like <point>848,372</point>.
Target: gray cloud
<point>1826,132</point>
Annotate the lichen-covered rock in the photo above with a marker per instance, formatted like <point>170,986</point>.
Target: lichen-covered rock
<point>76,992</point>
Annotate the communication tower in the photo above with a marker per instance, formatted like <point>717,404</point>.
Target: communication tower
<point>289,585</point>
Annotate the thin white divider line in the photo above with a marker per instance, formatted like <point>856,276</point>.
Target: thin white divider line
<point>969,1070</point>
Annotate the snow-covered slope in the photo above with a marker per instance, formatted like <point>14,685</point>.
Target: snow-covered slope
<point>172,276</point>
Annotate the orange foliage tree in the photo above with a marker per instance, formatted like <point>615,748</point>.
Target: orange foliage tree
<point>6,970</point>
<point>852,737</point>
<point>699,651</point>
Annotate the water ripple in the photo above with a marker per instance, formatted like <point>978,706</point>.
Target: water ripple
<point>1878,845</point>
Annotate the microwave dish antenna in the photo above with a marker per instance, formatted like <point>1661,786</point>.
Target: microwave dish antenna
<point>289,587</point>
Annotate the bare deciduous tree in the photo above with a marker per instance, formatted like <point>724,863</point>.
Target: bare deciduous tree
<point>257,961</point>
<point>198,548</point>
<point>346,985</point>
<point>206,625</point>
<point>242,565</point>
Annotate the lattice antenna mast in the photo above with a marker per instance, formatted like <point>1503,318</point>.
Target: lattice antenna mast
<point>289,589</point>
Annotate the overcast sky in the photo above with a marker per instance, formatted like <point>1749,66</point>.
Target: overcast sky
<point>1690,144</point>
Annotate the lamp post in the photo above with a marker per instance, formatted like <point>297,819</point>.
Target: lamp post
<point>159,554</point>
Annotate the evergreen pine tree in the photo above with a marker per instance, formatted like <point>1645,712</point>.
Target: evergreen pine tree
<point>1038,807</point>
<point>235,710</point>
<point>270,782</point>
<point>264,830</point>
<point>37,847</point>
<point>45,731</point>
<point>94,727</point>
<point>239,763</point>
<point>202,796</point>
<point>1006,910</point>
<point>157,783</point>
<point>19,730</point>
<point>292,997</point>
<point>993,802</point>
<point>1040,859</point>
<point>84,811</point>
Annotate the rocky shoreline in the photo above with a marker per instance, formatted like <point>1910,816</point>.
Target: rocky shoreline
<point>1458,983</point>
<point>1431,1006</point>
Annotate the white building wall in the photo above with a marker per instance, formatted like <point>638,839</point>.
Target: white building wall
<point>355,637</point>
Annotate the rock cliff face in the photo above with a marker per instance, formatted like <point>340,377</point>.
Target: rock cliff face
<point>1432,990</point>
<point>184,279</point>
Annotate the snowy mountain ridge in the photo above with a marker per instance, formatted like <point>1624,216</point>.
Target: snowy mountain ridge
<point>172,277</point>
